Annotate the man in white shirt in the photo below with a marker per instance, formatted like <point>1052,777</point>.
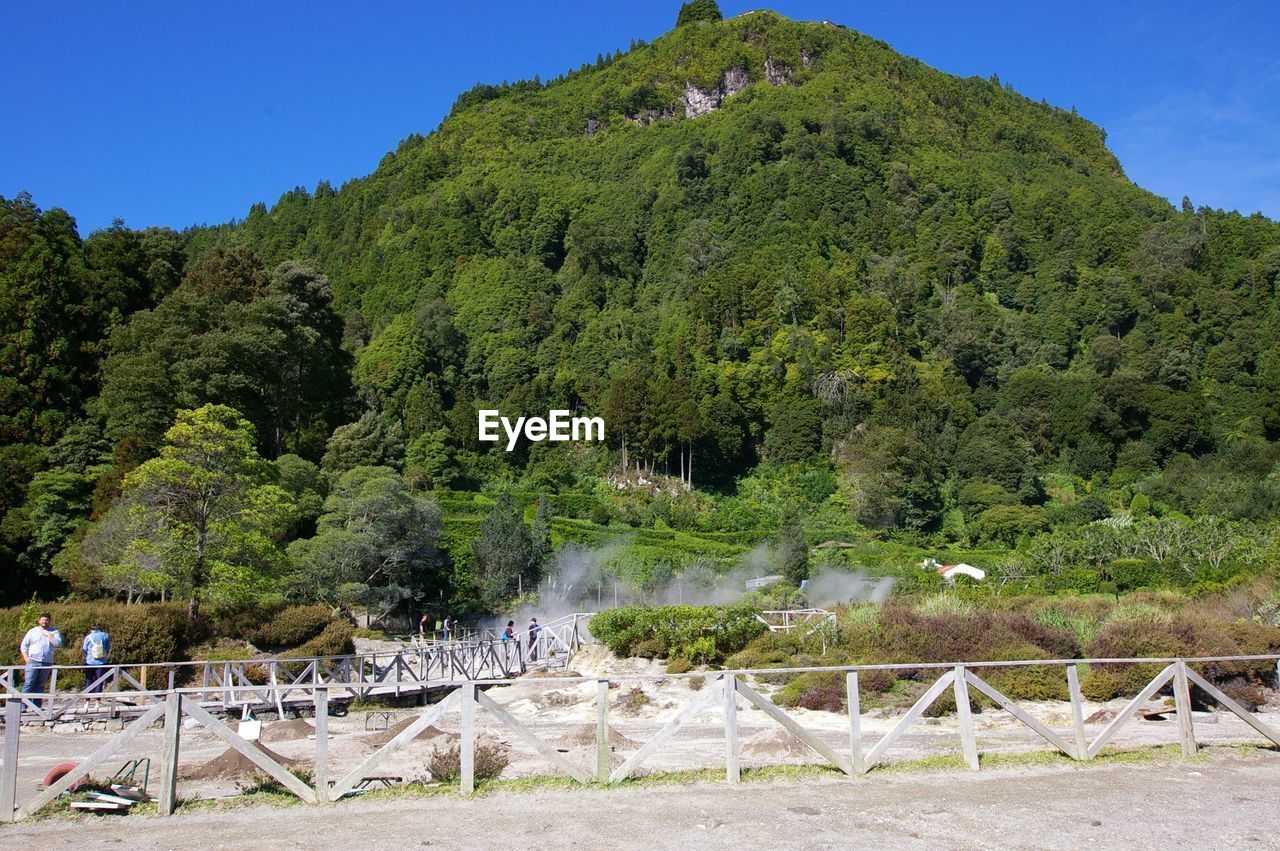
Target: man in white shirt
<point>37,654</point>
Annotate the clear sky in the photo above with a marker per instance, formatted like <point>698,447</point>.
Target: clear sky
<point>183,113</point>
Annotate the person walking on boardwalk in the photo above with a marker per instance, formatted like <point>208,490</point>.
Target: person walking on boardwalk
<point>447,624</point>
<point>510,632</point>
<point>534,629</point>
<point>96,647</point>
<point>37,654</point>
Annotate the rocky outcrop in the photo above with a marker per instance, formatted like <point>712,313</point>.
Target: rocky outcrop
<point>645,117</point>
<point>777,74</point>
<point>699,101</point>
<point>591,128</point>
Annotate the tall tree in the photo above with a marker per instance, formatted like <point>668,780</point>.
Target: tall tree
<point>204,510</point>
<point>376,544</point>
<point>504,552</point>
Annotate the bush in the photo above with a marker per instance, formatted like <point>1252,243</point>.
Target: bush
<point>701,634</point>
<point>290,627</point>
<point>812,683</point>
<point>143,633</point>
<point>334,640</point>
<point>679,666</point>
<point>1144,631</point>
<point>649,648</point>
<point>445,765</point>
<point>826,699</point>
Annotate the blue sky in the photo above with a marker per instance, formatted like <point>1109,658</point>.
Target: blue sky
<point>181,113</point>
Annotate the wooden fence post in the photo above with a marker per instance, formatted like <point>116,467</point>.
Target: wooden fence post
<point>1077,712</point>
<point>321,777</point>
<point>1182,702</point>
<point>733,769</point>
<point>9,772</point>
<point>169,759</point>
<point>602,731</point>
<point>968,741</point>
<point>468,746</point>
<point>853,699</point>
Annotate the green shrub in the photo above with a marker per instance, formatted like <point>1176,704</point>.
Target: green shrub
<point>701,634</point>
<point>649,648</point>
<point>679,666</point>
<point>290,627</point>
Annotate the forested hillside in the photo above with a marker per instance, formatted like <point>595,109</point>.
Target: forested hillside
<point>797,274</point>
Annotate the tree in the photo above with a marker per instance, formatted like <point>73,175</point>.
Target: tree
<point>540,534</point>
<point>376,544</point>
<point>367,442</point>
<point>204,510</point>
<point>793,551</point>
<point>698,10</point>
<point>504,553</point>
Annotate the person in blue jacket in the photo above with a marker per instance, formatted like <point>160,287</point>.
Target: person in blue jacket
<point>96,647</point>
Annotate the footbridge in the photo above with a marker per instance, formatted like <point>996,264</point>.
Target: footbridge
<point>283,685</point>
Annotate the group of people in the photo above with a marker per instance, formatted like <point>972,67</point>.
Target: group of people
<point>38,647</point>
<point>447,625</point>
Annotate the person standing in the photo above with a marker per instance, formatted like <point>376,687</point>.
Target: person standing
<point>37,655</point>
<point>447,623</point>
<point>422,629</point>
<point>510,632</point>
<point>534,629</point>
<point>96,647</point>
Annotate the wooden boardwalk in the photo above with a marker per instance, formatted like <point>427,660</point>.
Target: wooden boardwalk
<point>284,685</point>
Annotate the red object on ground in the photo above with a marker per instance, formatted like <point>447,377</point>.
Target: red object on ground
<point>56,773</point>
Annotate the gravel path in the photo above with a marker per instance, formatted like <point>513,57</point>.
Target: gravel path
<point>1227,801</point>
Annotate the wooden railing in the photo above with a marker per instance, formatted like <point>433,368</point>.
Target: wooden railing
<point>727,689</point>
<point>129,690</point>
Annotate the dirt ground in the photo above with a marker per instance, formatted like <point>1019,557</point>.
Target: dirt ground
<point>563,713</point>
<point>1227,802</point>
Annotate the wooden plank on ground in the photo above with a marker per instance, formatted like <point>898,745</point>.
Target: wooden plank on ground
<point>549,753</point>
<point>777,714</point>
<point>913,714</point>
<point>1127,713</point>
<point>702,701</point>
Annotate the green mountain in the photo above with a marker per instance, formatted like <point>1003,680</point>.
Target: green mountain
<point>758,248</point>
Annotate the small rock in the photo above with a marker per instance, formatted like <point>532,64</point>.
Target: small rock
<point>1096,823</point>
<point>804,811</point>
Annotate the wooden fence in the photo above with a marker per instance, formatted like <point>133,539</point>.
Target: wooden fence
<point>725,688</point>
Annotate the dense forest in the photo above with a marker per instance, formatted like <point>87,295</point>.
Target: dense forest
<point>809,284</point>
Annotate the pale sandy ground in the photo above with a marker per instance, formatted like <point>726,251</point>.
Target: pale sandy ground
<point>552,708</point>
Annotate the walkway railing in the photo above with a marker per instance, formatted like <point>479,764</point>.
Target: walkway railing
<point>227,686</point>
<point>723,692</point>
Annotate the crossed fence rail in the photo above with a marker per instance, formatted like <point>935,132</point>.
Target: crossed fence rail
<point>727,688</point>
